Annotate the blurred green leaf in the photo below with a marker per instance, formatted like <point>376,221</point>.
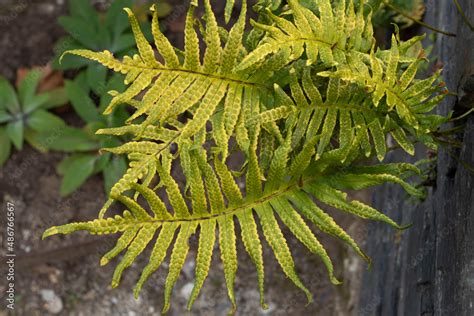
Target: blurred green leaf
<point>119,117</point>
<point>81,80</point>
<point>102,162</point>
<point>114,171</point>
<point>164,8</point>
<point>27,87</point>
<point>104,38</point>
<point>15,132</point>
<point>116,19</point>
<point>110,141</point>
<point>76,173</point>
<point>8,97</point>
<point>82,8</point>
<point>35,141</point>
<point>82,103</point>
<point>5,116</point>
<point>115,83</point>
<point>65,163</point>
<point>81,30</point>
<point>5,146</point>
<point>57,97</point>
<point>92,127</point>
<point>123,42</point>
<point>34,102</point>
<point>66,139</point>
<point>96,78</point>
<point>43,121</point>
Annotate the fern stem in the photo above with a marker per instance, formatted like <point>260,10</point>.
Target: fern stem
<point>388,4</point>
<point>451,130</point>
<point>462,116</point>
<point>463,15</point>
<point>245,206</point>
<point>465,164</point>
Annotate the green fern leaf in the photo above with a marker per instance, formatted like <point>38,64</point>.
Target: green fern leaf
<point>406,99</point>
<point>172,89</point>
<point>207,237</point>
<point>139,227</point>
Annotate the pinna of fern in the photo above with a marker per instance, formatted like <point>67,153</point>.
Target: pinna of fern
<point>179,86</point>
<point>286,130</point>
<point>353,98</point>
<point>394,89</point>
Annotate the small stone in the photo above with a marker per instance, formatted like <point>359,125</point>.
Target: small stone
<point>53,276</point>
<point>188,268</point>
<point>186,290</point>
<point>53,303</point>
<point>47,8</point>
<point>89,296</point>
<point>47,295</point>
<point>26,234</point>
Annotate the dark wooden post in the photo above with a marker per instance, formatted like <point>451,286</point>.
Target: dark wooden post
<point>429,269</point>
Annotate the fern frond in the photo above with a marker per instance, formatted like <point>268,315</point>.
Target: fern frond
<point>342,109</point>
<point>228,9</point>
<point>330,35</point>
<point>395,91</point>
<point>300,138</point>
<point>173,87</point>
<point>286,195</point>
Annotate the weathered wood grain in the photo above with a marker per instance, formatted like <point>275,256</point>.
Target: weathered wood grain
<point>429,269</point>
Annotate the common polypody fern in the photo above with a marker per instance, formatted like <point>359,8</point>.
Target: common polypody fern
<point>303,136</point>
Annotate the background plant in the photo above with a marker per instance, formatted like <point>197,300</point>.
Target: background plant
<point>24,114</point>
<point>306,101</point>
<point>402,12</point>
<point>80,165</point>
<point>94,30</point>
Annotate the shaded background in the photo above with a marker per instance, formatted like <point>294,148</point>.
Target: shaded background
<point>429,269</point>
